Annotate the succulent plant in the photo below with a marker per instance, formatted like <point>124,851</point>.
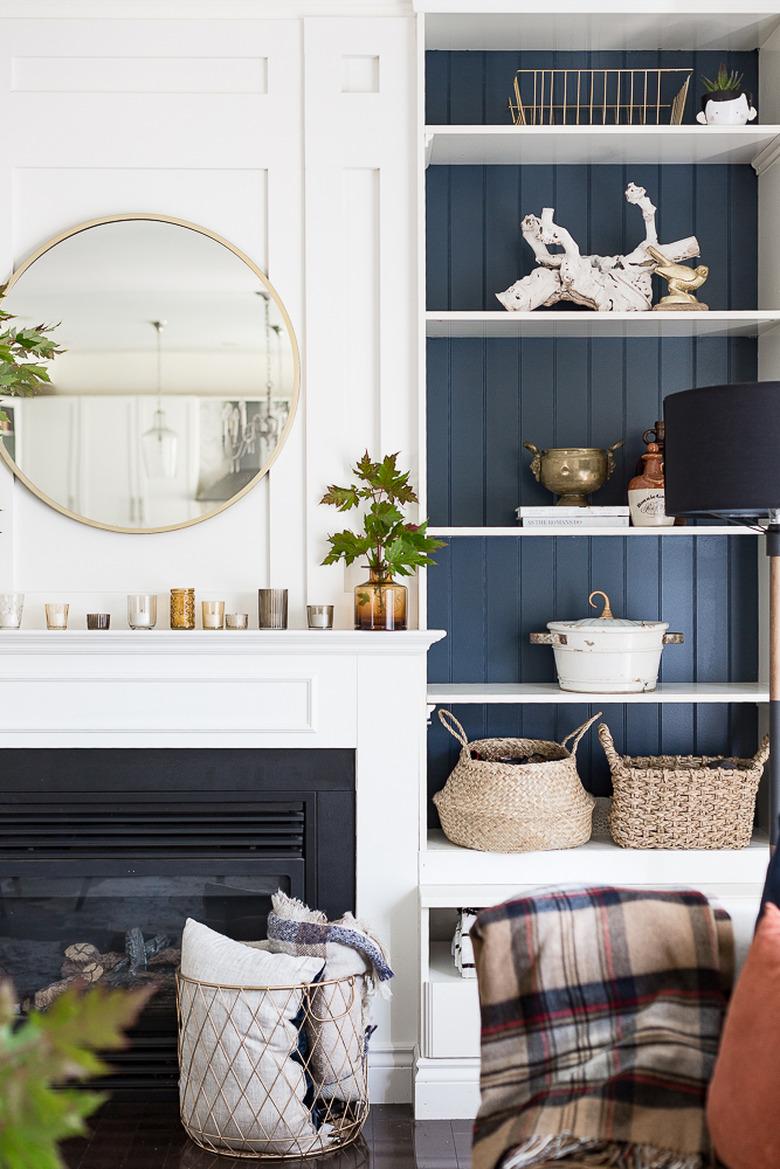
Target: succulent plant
<point>724,81</point>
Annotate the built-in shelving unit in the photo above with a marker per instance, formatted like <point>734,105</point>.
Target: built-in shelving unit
<point>603,145</point>
<point>494,379</point>
<point>550,324</point>
<point>445,693</point>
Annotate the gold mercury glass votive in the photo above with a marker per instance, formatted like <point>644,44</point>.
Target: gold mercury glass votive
<point>182,608</point>
<point>212,614</point>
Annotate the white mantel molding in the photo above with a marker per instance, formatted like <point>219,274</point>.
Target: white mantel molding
<point>219,643</point>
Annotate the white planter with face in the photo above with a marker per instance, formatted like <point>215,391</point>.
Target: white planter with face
<point>733,111</point>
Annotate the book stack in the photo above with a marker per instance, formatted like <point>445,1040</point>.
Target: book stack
<point>572,517</point>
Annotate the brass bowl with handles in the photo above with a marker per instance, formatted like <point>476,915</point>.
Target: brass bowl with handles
<point>572,473</point>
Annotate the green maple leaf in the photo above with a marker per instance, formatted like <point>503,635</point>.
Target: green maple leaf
<point>392,546</point>
<point>39,1056</point>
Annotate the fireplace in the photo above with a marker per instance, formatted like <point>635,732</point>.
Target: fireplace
<point>105,853</point>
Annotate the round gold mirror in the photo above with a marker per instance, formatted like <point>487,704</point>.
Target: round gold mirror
<point>178,383</point>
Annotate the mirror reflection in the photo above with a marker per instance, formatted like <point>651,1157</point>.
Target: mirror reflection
<point>178,382</point>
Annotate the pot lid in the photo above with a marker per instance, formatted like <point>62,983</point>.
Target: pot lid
<point>607,621</point>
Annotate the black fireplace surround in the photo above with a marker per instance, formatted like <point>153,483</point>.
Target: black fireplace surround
<point>111,850</point>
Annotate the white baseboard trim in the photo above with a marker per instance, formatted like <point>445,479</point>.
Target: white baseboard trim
<point>446,1089</point>
<point>390,1074</point>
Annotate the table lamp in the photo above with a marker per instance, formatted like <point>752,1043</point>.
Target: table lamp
<point>722,460</point>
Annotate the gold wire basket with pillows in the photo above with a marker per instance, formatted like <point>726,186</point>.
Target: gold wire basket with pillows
<point>682,801</point>
<point>515,795</point>
<point>272,1071</point>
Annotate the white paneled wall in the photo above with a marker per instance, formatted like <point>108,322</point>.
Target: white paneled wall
<point>214,121</point>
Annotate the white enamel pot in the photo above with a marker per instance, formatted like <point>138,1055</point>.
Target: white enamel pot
<point>607,655</point>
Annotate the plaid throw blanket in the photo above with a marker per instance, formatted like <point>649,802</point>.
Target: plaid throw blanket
<point>601,1014</point>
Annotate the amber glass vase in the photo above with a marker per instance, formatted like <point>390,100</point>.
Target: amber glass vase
<point>380,603</point>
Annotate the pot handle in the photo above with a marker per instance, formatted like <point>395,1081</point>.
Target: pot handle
<point>536,461</point>
<point>577,734</point>
<point>451,724</point>
<point>674,638</point>
<point>540,638</point>
<point>611,457</point>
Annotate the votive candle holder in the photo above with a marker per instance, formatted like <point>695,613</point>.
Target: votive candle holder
<point>98,621</point>
<point>212,614</point>
<point>272,608</point>
<point>142,610</point>
<point>11,609</point>
<point>319,616</point>
<point>56,615</point>
<point>182,608</point>
<point>236,620</point>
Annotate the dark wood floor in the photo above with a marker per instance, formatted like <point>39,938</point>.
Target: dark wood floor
<point>149,1136</point>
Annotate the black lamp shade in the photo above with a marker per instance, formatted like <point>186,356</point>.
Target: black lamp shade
<point>722,450</point>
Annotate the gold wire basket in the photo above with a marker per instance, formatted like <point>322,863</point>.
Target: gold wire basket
<point>249,1087</point>
<point>599,97</point>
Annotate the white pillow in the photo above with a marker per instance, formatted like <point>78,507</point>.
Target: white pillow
<point>240,1087</point>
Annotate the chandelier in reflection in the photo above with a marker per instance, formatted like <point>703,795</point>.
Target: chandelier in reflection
<point>159,443</point>
<point>242,435</point>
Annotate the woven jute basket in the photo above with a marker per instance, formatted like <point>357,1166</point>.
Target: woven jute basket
<point>496,806</point>
<point>682,801</point>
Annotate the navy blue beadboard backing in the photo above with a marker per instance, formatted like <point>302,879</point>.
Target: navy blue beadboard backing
<point>486,396</point>
<point>472,88</point>
<point>475,249</point>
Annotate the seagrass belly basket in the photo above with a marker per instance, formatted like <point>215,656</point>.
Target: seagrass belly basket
<point>515,795</point>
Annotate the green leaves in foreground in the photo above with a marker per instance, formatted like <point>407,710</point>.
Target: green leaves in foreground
<point>391,545</point>
<point>23,353</point>
<point>53,1048</point>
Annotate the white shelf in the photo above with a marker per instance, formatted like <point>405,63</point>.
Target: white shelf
<point>524,693</point>
<point>700,530</point>
<point>587,324</point>
<point>453,876</point>
<point>691,25</point>
<point>591,145</point>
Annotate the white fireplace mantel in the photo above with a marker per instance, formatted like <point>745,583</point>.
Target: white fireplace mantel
<point>258,689</point>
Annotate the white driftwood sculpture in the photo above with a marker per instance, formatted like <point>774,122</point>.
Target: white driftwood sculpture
<point>607,284</point>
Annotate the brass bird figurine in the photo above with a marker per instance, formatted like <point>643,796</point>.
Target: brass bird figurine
<point>682,282</point>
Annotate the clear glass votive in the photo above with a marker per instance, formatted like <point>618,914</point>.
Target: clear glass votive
<point>11,609</point>
<point>272,608</point>
<point>56,615</point>
<point>212,614</point>
<point>182,608</point>
<point>142,610</point>
<point>319,616</point>
<point>98,620</point>
<point>236,620</point>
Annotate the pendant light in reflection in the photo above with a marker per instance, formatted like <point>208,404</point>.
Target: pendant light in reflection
<point>159,443</point>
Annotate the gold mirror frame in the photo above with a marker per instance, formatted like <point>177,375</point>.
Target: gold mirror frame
<point>19,474</point>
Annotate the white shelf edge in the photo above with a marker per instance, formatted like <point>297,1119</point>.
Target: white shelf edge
<point>442,323</point>
<point>509,145</point>
<point>447,871</point>
<point>712,530</point>
<point>524,693</point>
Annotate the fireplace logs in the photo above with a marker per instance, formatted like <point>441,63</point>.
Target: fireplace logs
<point>144,962</point>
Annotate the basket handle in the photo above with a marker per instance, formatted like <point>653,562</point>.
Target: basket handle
<point>762,754</point>
<point>608,743</point>
<point>451,724</point>
<point>577,734</point>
